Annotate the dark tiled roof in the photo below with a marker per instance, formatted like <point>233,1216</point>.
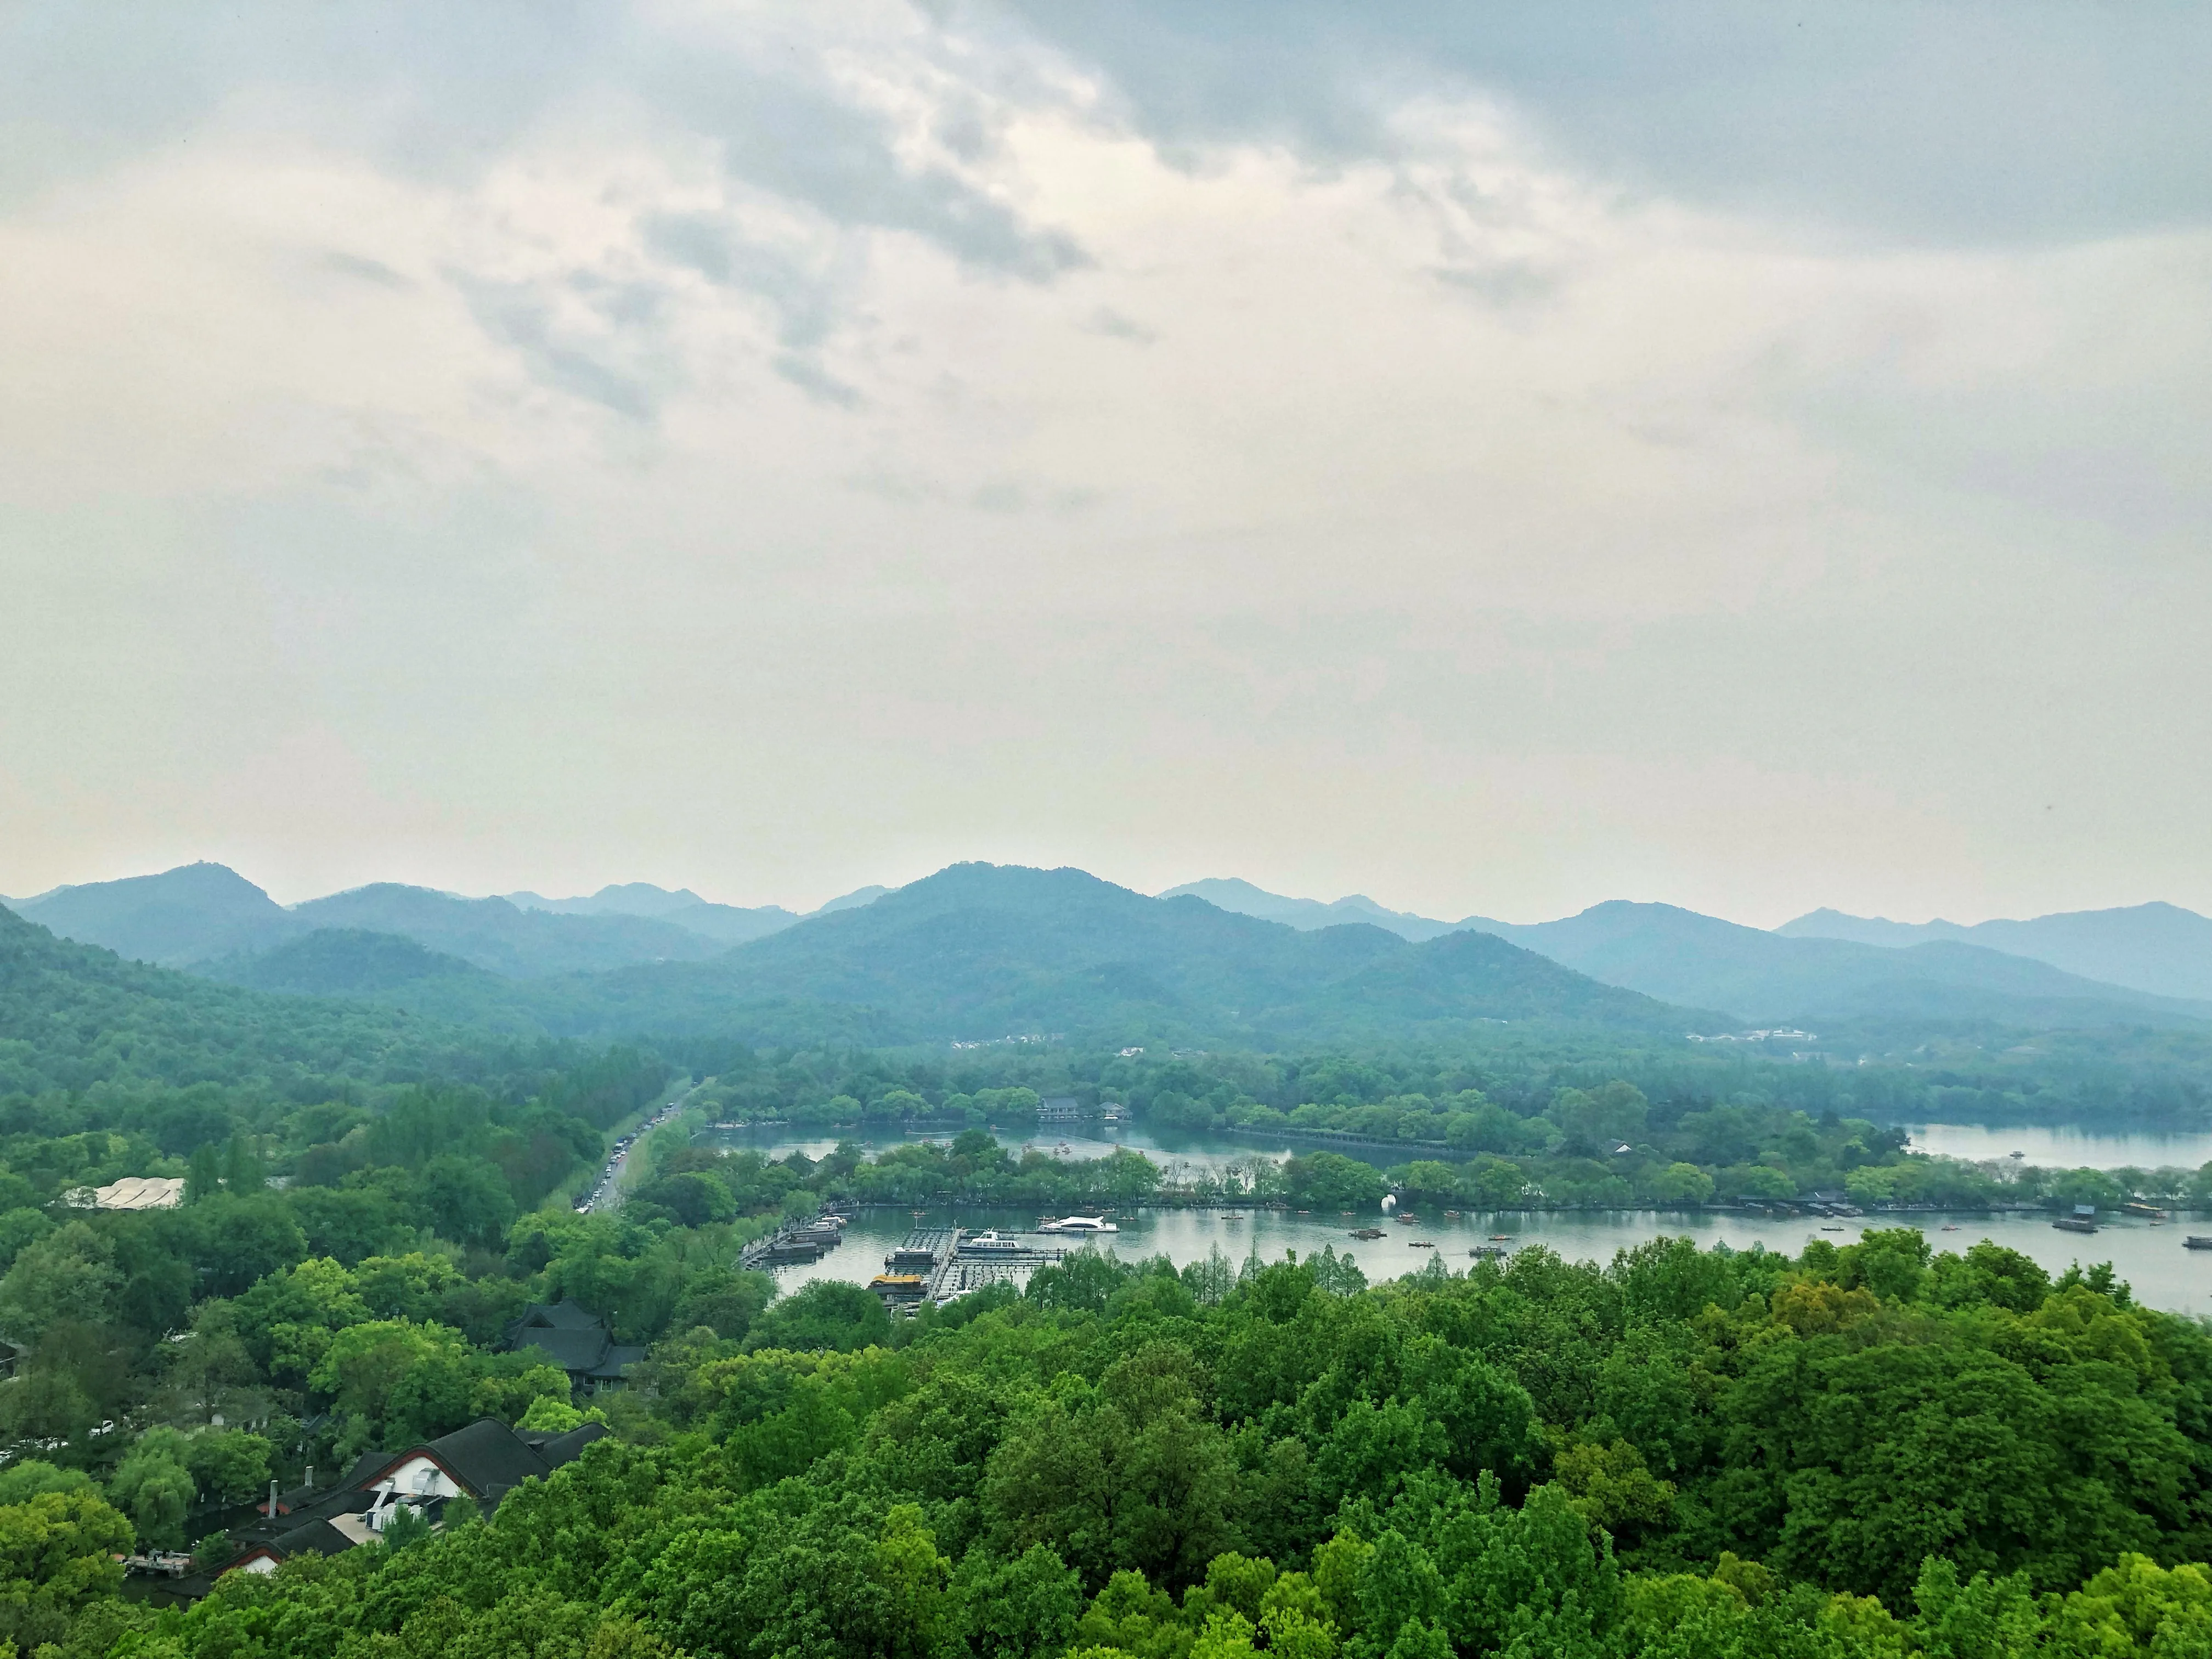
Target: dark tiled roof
<point>567,1315</point>
<point>573,1351</point>
<point>617,1360</point>
<point>365,1467</point>
<point>316,1538</point>
<point>566,1448</point>
<point>486,1453</point>
<point>487,1457</point>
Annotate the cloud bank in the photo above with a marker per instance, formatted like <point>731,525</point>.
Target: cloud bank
<point>771,450</point>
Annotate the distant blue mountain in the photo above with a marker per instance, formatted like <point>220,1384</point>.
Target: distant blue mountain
<point>725,924</point>
<point>1766,978</point>
<point>1229,893</point>
<point>181,917</point>
<point>2160,948</point>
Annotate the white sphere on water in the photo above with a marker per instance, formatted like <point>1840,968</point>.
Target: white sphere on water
<point>1389,1202</point>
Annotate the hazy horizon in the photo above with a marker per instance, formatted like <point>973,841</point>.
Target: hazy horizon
<point>1487,462</point>
<point>805,906</point>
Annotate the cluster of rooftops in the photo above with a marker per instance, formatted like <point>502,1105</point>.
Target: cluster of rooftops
<point>482,1461</point>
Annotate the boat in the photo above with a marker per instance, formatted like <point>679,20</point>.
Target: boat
<point>1420,1244</point>
<point>1451,1215</point>
<point>1077,1224</point>
<point>2075,1223</point>
<point>1232,1215</point>
<point>1367,1232</point>
<point>1831,1229</point>
<point>1405,1219</point>
<point>990,1243</point>
<point>896,1286</point>
<point>1501,1238</point>
<point>2196,1242</point>
<point>1489,1252</point>
<point>1950,1226</point>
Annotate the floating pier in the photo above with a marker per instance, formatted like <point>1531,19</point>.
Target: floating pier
<point>928,1266</point>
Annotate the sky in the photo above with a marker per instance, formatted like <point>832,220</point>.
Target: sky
<point>1492,459</point>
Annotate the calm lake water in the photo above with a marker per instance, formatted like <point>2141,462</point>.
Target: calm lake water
<point>2065,1149</point>
<point>2150,1257</point>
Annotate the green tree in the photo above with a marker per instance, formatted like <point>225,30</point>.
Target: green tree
<point>242,1171</point>
<point>1330,1180</point>
<point>827,1313</point>
<point>155,1488</point>
<point>1130,1474</point>
<point>1024,1609</point>
<point>467,1199</point>
<point>1679,1183</point>
<point>230,1464</point>
<point>69,1274</point>
<point>57,1553</point>
<point>204,1174</point>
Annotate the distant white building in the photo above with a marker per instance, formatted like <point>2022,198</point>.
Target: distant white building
<point>131,1193</point>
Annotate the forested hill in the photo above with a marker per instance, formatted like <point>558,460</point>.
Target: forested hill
<point>980,950</point>
<point>73,1017</point>
<point>1765,978</point>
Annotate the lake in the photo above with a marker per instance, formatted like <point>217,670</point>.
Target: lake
<point>2150,1257</point>
<point>2065,1148</point>
<point>2052,1148</point>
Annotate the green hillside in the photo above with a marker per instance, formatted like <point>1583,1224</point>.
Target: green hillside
<point>1764,978</point>
<point>188,914</point>
<point>494,934</point>
<point>979,951</point>
<point>74,1017</point>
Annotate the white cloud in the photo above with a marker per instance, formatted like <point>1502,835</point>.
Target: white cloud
<point>859,445</point>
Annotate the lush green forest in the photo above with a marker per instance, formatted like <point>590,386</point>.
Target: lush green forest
<point>1865,1451</point>
<point>1858,1452</point>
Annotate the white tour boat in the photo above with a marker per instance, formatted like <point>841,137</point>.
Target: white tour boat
<point>1077,1224</point>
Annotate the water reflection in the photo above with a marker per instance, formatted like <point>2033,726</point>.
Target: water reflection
<point>2148,1256</point>
<point>2064,1148</point>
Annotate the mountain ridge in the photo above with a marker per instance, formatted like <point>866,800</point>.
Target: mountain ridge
<point>2159,948</point>
<point>978,951</point>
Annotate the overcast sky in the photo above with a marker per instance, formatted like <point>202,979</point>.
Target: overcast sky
<point>1490,461</point>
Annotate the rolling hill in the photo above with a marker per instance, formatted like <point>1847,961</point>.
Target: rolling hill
<point>2159,948</point>
<point>203,914</point>
<point>1765,978</point>
<point>183,915</point>
<point>345,962</point>
<point>1229,893</point>
<point>73,1016</point>
<point>494,934</point>
<point>1827,969</point>
<point>982,953</point>
<point>726,924</point>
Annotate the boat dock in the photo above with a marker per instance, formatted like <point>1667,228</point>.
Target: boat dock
<point>809,1241</point>
<point>929,1265</point>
